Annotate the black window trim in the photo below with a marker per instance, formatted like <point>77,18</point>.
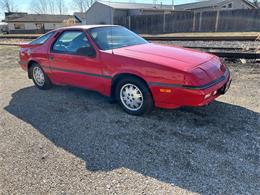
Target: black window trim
<point>60,33</point>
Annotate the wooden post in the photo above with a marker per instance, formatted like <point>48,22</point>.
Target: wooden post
<point>217,21</point>
<point>194,22</point>
<point>200,23</point>
<point>112,16</point>
<point>164,24</point>
<point>129,22</point>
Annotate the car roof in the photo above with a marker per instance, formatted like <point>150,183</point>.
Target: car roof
<point>85,27</point>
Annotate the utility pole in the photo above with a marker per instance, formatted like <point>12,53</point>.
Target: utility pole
<point>172,4</point>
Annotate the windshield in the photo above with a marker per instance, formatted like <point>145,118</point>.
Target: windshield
<point>112,37</point>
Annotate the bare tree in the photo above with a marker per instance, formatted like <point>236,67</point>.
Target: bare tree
<point>39,6</point>
<point>51,7</point>
<point>8,5</point>
<point>90,3</point>
<point>61,7</point>
<point>48,6</point>
<point>82,5</point>
<point>256,2</point>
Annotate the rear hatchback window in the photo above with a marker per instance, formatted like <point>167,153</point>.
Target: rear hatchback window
<point>42,39</point>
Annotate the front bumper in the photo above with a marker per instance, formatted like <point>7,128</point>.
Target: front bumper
<point>179,96</point>
<point>225,88</point>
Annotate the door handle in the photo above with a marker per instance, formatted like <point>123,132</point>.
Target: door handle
<point>51,58</point>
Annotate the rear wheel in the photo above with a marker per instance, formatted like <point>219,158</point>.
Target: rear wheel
<point>40,79</point>
<point>134,96</point>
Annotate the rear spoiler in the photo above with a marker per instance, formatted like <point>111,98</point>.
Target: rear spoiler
<point>27,45</point>
<point>24,45</point>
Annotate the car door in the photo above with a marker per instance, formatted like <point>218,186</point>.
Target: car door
<point>74,61</point>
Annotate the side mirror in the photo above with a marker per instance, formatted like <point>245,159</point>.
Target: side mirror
<point>86,51</point>
<point>91,52</point>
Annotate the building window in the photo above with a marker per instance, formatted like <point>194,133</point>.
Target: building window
<point>229,6</point>
<point>38,26</point>
<point>244,6</point>
<point>19,26</point>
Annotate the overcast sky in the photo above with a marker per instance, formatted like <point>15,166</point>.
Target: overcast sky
<point>23,5</point>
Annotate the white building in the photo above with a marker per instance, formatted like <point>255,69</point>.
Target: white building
<point>3,27</point>
<point>35,23</point>
<point>210,5</point>
<point>103,12</point>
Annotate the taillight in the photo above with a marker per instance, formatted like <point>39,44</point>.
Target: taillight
<point>223,67</point>
<point>22,51</point>
<point>29,52</point>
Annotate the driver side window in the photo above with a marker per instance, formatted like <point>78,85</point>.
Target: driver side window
<point>73,43</point>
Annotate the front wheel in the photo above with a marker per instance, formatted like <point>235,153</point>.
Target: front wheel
<point>134,96</point>
<point>40,79</point>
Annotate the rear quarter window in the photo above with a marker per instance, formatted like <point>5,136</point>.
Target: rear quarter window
<point>42,39</point>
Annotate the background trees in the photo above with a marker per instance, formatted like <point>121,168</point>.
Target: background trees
<point>8,5</point>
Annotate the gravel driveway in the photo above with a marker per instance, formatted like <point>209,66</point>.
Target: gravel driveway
<point>68,140</point>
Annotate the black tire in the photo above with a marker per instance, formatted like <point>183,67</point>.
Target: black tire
<point>47,82</point>
<point>147,105</point>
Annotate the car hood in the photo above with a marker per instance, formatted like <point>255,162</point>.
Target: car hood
<point>175,57</point>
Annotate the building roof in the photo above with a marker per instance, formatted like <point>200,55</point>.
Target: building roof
<point>188,6</point>
<point>80,15</point>
<point>13,15</point>
<point>204,4</point>
<point>144,6</point>
<point>3,23</point>
<point>200,4</point>
<point>41,18</point>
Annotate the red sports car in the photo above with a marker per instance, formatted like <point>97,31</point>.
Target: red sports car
<point>120,64</point>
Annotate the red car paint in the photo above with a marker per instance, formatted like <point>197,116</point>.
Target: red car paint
<point>175,76</point>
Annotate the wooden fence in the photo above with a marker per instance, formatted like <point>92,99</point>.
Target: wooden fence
<point>183,21</point>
